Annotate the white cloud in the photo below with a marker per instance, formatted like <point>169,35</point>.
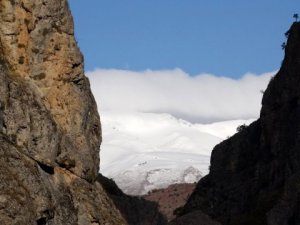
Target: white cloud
<point>200,98</point>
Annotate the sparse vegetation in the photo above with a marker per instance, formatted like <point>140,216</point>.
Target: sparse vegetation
<point>241,127</point>
<point>287,34</point>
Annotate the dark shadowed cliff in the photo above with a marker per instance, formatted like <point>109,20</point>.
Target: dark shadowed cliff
<point>255,175</point>
<point>136,210</point>
<point>49,126</point>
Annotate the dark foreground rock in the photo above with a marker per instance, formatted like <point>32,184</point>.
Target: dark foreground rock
<point>255,175</point>
<point>49,126</point>
<point>136,210</point>
<point>194,218</point>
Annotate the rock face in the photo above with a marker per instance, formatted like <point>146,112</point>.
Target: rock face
<point>38,46</point>
<point>49,126</point>
<point>255,175</point>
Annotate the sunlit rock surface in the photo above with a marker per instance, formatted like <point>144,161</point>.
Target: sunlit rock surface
<point>49,126</point>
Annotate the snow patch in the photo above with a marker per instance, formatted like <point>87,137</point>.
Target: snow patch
<point>146,151</point>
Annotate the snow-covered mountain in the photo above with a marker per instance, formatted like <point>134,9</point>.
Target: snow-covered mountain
<point>146,151</point>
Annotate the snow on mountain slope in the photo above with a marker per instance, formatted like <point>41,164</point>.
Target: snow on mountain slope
<point>223,129</point>
<point>146,151</point>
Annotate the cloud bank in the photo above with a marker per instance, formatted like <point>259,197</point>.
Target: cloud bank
<point>201,98</point>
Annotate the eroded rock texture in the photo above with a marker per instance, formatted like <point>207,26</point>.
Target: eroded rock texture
<point>255,175</point>
<point>50,130</point>
<point>38,46</point>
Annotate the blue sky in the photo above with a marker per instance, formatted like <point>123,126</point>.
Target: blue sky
<point>225,38</point>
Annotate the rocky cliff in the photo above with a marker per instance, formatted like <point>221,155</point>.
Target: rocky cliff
<point>255,175</point>
<point>135,209</point>
<point>49,126</point>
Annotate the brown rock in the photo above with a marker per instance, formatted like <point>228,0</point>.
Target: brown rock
<point>38,47</point>
<point>171,198</point>
<point>49,126</point>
